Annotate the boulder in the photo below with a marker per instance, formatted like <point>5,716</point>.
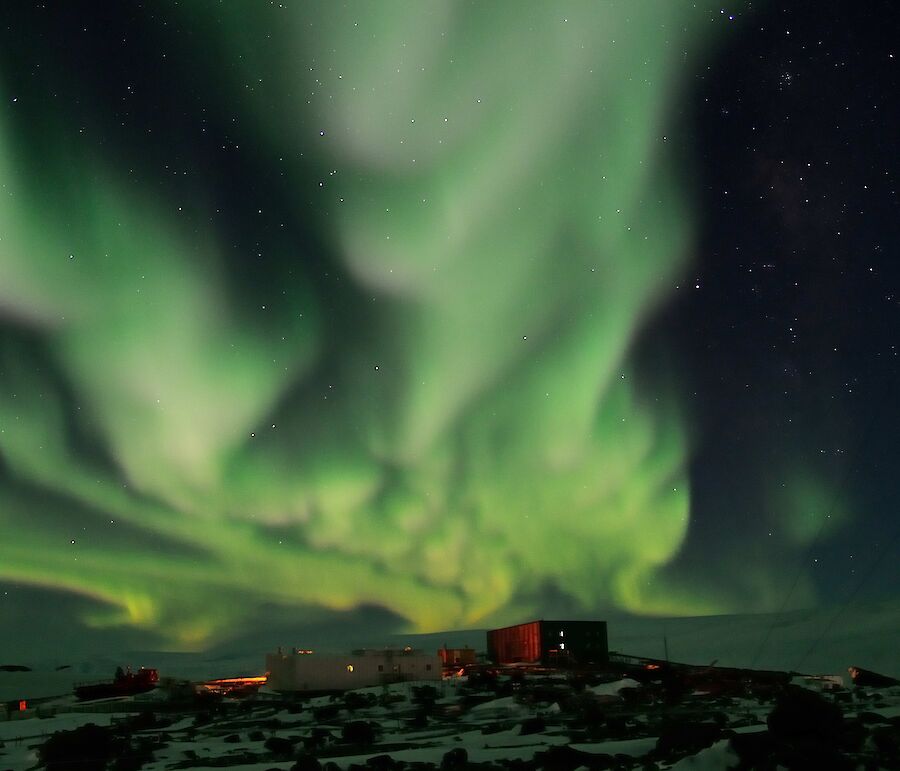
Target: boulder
<point>306,762</point>
<point>801,715</point>
<point>456,758</point>
<point>382,762</point>
<point>684,737</point>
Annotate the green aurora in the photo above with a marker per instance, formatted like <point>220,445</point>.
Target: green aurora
<point>452,424</point>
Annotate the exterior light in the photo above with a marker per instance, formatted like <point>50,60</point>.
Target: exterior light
<point>349,667</point>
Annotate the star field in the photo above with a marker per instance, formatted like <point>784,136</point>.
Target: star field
<point>444,315</point>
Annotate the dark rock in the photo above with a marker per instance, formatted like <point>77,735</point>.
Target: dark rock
<point>80,748</point>
<point>381,763</point>
<point>617,726</point>
<point>811,755</point>
<point>256,736</point>
<point>588,711</point>
<point>326,713</point>
<point>424,693</point>
<point>358,732</point>
<point>682,737</point>
<point>354,701</point>
<point>634,695</point>
<point>565,758</point>
<point>800,714</point>
<point>596,733</point>
<point>306,762</point>
<point>887,740</point>
<point>753,748</point>
<point>232,739</point>
<point>532,725</point>
<point>455,758</point>
<point>202,718</point>
<point>853,736</point>
<point>278,745</point>
<point>319,737</point>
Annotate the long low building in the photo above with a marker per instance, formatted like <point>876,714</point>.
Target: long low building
<point>304,670</point>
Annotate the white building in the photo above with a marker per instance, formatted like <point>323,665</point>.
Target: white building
<point>301,670</point>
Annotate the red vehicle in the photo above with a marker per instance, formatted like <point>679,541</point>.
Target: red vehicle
<point>126,683</point>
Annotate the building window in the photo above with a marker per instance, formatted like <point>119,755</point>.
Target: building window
<point>381,667</point>
<point>349,667</point>
<point>562,646</point>
<point>428,667</point>
<point>562,633</point>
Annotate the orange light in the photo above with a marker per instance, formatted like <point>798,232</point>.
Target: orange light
<point>652,666</point>
<point>23,705</point>
<point>238,680</point>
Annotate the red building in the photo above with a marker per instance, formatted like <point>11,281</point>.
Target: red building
<point>559,643</point>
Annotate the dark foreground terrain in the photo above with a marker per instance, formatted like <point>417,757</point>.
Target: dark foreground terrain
<point>482,722</point>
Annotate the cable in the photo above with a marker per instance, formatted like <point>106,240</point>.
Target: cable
<point>839,490</point>
<point>800,568</point>
<point>846,604</point>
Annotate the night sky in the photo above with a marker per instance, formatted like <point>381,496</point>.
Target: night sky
<point>448,314</point>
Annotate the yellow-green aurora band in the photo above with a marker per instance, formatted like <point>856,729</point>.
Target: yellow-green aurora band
<point>498,189</point>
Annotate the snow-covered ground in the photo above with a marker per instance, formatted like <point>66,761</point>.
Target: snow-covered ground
<point>495,723</point>
<point>493,726</point>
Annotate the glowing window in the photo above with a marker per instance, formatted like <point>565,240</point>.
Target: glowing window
<point>562,633</point>
<point>349,667</point>
<point>562,646</point>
